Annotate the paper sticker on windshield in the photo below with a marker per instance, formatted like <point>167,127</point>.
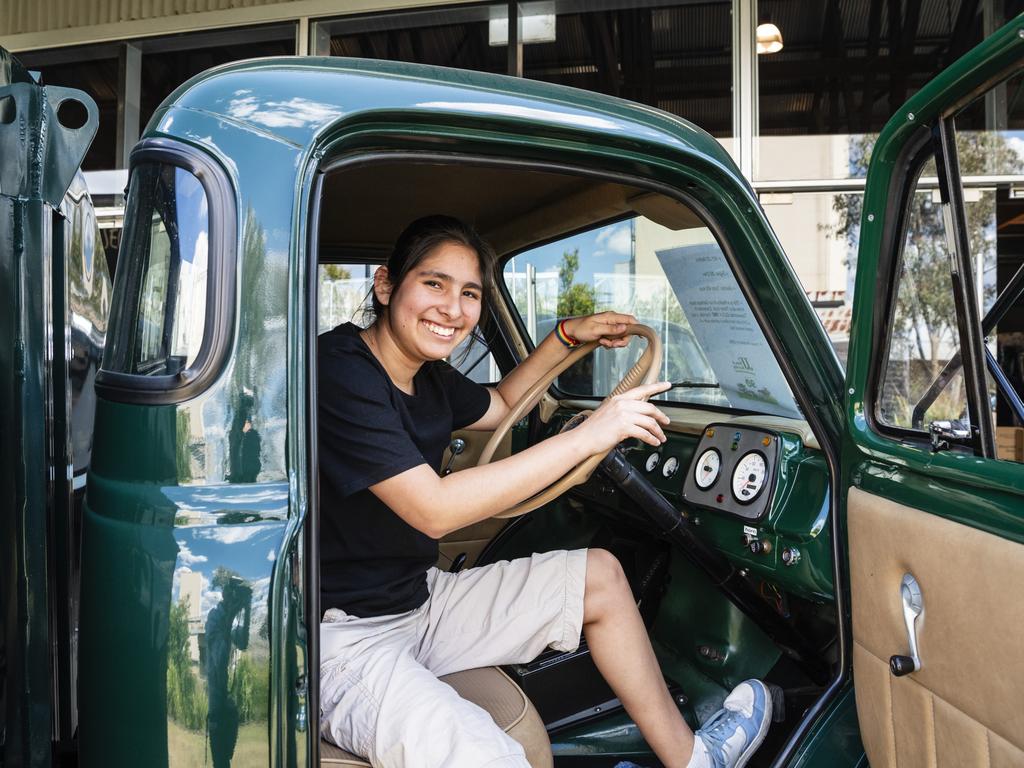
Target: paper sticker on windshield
<point>726,329</point>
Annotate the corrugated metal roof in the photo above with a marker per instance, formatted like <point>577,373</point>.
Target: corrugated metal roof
<point>24,16</point>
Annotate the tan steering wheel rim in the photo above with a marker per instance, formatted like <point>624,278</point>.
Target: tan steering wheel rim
<point>644,371</point>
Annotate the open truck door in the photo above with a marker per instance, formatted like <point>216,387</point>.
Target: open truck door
<point>934,483</point>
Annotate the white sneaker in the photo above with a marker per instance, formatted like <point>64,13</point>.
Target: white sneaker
<point>734,733</point>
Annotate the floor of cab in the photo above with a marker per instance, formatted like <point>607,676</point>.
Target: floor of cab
<point>700,659</point>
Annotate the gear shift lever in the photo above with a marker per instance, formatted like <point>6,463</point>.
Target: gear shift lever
<point>456,446</point>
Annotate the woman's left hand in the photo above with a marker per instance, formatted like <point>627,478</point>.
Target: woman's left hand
<point>607,327</point>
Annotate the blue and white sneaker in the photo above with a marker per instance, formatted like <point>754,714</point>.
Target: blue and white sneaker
<point>734,733</point>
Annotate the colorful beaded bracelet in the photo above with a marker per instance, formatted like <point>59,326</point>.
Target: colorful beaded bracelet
<point>567,340</point>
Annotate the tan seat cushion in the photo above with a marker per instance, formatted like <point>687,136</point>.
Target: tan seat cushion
<point>492,690</point>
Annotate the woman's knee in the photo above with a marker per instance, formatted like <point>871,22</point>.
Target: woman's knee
<point>606,582</point>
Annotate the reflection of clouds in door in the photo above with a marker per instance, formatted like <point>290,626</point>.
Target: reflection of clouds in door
<point>231,534</point>
<point>186,557</point>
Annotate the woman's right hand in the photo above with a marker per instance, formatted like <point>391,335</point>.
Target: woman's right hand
<point>624,416</point>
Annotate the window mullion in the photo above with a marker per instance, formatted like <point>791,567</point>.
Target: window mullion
<point>964,295</point>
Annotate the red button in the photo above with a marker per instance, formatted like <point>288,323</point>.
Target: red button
<point>719,498</point>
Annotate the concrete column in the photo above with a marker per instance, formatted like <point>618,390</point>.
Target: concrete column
<point>129,96</point>
<point>744,83</point>
<point>515,40</point>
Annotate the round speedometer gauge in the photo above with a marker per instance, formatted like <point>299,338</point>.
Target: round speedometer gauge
<point>652,461</point>
<point>708,468</point>
<point>750,477</point>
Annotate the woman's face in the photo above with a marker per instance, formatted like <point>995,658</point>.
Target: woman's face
<point>438,303</point>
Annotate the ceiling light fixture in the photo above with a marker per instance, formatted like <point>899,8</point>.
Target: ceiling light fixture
<point>769,38</point>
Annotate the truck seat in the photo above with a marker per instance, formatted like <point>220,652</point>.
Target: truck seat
<point>494,691</point>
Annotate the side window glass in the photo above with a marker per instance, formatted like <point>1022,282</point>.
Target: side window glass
<point>344,294</point>
<point>924,336</point>
<point>159,328</point>
<point>473,358</point>
<point>929,366</point>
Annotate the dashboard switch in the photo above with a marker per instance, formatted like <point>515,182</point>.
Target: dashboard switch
<point>760,547</point>
<point>790,556</point>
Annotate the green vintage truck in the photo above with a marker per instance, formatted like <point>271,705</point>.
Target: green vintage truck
<point>855,537</point>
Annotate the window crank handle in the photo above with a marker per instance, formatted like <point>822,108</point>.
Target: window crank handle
<point>913,607</point>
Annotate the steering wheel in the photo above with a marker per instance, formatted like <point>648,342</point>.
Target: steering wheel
<point>645,371</point>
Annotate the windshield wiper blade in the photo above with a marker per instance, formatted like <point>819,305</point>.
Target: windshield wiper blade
<point>695,385</point>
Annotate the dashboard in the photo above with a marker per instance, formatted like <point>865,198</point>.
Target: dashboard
<point>755,488</point>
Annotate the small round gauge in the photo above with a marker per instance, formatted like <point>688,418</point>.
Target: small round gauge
<point>652,461</point>
<point>750,477</point>
<point>670,467</point>
<point>709,466</point>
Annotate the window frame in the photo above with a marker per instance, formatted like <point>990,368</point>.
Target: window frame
<point>938,142</point>
<point>220,313</point>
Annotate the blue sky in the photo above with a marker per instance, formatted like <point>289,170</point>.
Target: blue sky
<point>600,250</point>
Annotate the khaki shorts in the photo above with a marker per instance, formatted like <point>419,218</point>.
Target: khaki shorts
<point>379,692</point>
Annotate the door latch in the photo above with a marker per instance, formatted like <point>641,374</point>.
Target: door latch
<point>943,433</point>
<point>913,607</point>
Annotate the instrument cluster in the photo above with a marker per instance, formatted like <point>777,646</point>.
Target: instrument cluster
<point>733,471</point>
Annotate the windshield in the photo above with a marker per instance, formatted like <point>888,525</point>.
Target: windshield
<point>676,281</point>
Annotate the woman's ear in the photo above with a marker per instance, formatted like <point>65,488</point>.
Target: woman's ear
<point>382,285</point>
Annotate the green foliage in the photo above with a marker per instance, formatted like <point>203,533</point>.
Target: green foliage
<point>336,272</point>
<point>574,299</point>
<point>186,698</point>
<point>182,447</point>
<point>249,687</point>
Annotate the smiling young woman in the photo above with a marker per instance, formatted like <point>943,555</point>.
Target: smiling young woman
<point>388,404</point>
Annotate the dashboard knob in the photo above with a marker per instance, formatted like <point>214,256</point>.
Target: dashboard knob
<point>760,547</point>
<point>790,556</point>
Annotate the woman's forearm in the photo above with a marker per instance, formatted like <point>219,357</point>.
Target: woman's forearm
<point>438,505</point>
<point>545,356</point>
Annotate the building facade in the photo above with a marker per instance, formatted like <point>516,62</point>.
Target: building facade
<point>796,90</point>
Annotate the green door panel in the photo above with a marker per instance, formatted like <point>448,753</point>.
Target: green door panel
<point>176,619</point>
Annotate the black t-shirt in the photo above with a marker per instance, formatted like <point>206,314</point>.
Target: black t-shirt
<point>373,563</point>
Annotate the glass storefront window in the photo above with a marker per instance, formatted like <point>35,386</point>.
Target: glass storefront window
<point>676,57</point>
<point>819,233</point>
<point>446,37</point>
<point>845,67</point>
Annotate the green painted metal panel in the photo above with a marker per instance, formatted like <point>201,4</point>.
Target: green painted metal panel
<point>38,160</point>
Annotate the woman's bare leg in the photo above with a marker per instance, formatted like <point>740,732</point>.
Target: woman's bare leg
<point>622,652</point>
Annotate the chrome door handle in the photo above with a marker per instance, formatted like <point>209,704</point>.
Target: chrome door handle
<point>913,607</point>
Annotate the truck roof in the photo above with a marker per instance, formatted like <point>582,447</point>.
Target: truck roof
<point>297,98</point>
